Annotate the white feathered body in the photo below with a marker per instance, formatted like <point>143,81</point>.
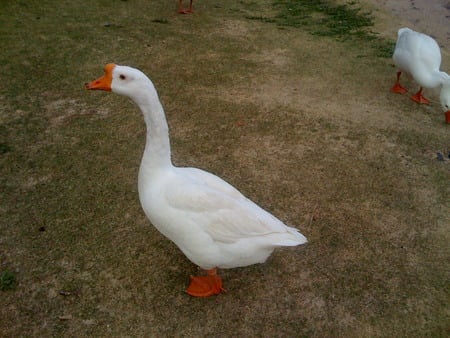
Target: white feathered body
<point>419,56</point>
<point>209,220</point>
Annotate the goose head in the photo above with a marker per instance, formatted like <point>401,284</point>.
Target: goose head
<point>123,80</point>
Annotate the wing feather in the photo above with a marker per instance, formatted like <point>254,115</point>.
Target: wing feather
<point>221,210</point>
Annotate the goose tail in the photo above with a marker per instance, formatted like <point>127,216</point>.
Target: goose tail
<point>292,238</point>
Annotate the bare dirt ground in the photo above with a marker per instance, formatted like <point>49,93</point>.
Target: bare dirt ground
<point>431,17</point>
<point>304,125</point>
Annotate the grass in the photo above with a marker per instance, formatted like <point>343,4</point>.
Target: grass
<point>7,280</point>
<point>325,18</point>
<point>301,123</point>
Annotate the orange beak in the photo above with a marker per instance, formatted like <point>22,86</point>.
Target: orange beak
<point>104,82</point>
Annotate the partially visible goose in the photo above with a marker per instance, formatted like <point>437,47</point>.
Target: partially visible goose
<point>182,10</point>
<point>212,223</point>
<point>419,56</point>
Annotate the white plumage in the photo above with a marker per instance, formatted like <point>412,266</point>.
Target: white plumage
<point>419,55</point>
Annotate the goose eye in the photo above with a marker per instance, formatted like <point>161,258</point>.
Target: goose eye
<point>122,77</point>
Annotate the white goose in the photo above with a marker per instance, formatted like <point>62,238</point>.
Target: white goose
<point>212,223</point>
<point>419,56</point>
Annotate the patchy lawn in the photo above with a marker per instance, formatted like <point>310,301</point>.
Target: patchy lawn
<point>302,123</point>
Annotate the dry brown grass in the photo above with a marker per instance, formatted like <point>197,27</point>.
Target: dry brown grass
<point>303,125</point>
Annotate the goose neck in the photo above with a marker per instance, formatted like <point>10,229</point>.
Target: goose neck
<point>157,145</point>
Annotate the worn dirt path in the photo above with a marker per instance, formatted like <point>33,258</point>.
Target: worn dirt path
<point>428,16</point>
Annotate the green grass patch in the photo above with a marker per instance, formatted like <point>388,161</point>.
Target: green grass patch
<point>163,21</point>
<point>325,18</point>
<point>7,280</point>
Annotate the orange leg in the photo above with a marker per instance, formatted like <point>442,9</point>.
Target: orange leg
<point>205,286</point>
<point>397,88</point>
<point>181,10</point>
<point>419,98</point>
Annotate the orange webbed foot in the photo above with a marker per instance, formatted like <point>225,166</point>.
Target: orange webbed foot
<point>397,88</point>
<point>185,11</point>
<point>205,286</point>
<point>419,98</point>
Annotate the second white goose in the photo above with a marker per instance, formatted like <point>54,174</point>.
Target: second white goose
<point>419,55</point>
